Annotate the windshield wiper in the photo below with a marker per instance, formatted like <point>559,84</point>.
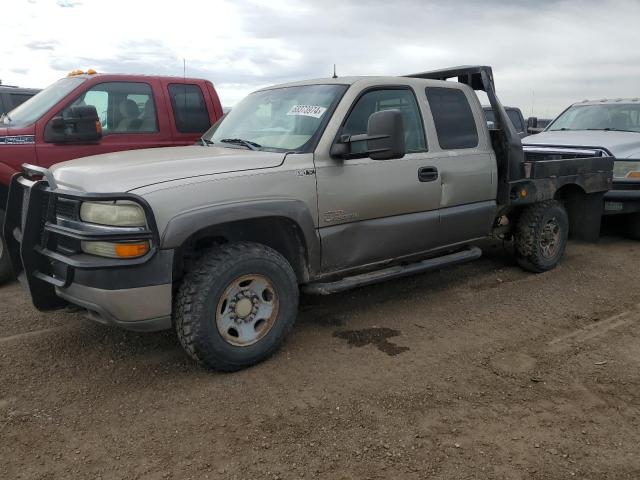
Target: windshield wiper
<point>205,142</point>
<point>611,129</point>
<point>239,141</point>
<point>563,129</point>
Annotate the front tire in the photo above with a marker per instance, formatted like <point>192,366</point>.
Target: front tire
<point>6,271</point>
<point>236,307</point>
<point>541,236</point>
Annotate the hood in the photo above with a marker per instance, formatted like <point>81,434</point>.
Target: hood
<point>620,144</point>
<point>125,171</point>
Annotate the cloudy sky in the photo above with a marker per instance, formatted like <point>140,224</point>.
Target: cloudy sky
<point>545,53</point>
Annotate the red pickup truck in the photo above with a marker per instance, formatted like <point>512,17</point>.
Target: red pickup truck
<point>87,113</point>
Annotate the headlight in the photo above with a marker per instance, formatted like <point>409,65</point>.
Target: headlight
<point>119,214</point>
<point>623,169</point>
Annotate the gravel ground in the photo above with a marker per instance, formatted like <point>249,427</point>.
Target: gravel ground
<point>476,372</point>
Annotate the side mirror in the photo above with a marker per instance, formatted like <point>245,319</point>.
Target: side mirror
<point>532,122</point>
<point>384,137</point>
<point>80,125</point>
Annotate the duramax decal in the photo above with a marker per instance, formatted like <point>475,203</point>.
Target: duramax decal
<point>339,216</point>
<point>17,140</point>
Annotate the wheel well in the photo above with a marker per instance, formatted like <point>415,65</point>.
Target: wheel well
<point>280,233</point>
<point>569,192</point>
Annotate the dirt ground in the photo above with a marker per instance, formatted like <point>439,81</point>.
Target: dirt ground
<point>477,372</point>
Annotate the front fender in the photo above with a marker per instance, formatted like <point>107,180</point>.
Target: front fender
<point>184,225</point>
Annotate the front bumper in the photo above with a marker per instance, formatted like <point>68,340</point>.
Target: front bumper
<point>624,197</point>
<point>43,236</point>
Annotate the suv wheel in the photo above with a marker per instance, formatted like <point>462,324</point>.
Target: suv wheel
<point>6,272</point>
<point>541,236</point>
<point>634,226</point>
<point>236,307</point>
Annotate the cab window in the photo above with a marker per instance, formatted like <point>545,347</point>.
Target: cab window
<point>452,117</point>
<point>189,108</point>
<point>374,101</point>
<point>123,107</point>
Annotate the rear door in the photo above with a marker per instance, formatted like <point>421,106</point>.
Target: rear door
<point>129,114</point>
<point>466,164</point>
<point>375,210</point>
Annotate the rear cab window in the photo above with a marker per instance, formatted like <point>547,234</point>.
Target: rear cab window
<point>453,118</point>
<point>189,108</point>
<point>123,107</point>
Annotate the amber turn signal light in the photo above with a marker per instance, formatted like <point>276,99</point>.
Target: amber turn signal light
<point>131,250</point>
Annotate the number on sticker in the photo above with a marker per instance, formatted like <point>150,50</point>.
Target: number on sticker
<point>314,111</point>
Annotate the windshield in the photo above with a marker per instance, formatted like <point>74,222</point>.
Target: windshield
<point>606,116</point>
<point>39,104</point>
<point>282,119</point>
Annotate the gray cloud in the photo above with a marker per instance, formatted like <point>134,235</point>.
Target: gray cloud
<point>545,54</point>
<point>42,45</point>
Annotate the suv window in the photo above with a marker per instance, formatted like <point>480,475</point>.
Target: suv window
<point>123,107</point>
<point>453,119</point>
<point>189,108</point>
<point>18,99</point>
<point>373,101</point>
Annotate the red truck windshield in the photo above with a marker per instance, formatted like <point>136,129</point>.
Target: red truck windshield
<point>38,105</point>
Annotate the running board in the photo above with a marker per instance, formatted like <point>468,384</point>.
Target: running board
<point>327,288</point>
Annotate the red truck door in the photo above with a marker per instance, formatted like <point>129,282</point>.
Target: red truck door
<point>128,112</point>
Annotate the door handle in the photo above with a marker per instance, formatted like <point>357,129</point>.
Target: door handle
<point>427,174</point>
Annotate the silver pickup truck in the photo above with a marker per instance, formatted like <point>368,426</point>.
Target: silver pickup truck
<point>601,127</point>
<point>321,185</point>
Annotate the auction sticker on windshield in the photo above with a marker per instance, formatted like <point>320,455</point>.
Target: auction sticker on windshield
<point>307,110</point>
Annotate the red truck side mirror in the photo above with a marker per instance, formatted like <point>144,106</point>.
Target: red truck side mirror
<point>81,125</point>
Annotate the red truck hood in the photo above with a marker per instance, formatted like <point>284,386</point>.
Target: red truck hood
<point>126,171</point>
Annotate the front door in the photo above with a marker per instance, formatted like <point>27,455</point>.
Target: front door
<point>375,210</point>
<point>128,112</point>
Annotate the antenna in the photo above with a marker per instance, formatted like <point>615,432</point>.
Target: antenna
<point>533,100</point>
<point>334,71</point>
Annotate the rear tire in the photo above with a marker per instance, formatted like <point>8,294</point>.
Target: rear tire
<point>6,271</point>
<point>634,226</point>
<point>236,307</point>
<point>541,236</point>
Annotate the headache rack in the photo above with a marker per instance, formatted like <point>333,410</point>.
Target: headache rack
<point>43,233</point>
<point>527,176</point>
